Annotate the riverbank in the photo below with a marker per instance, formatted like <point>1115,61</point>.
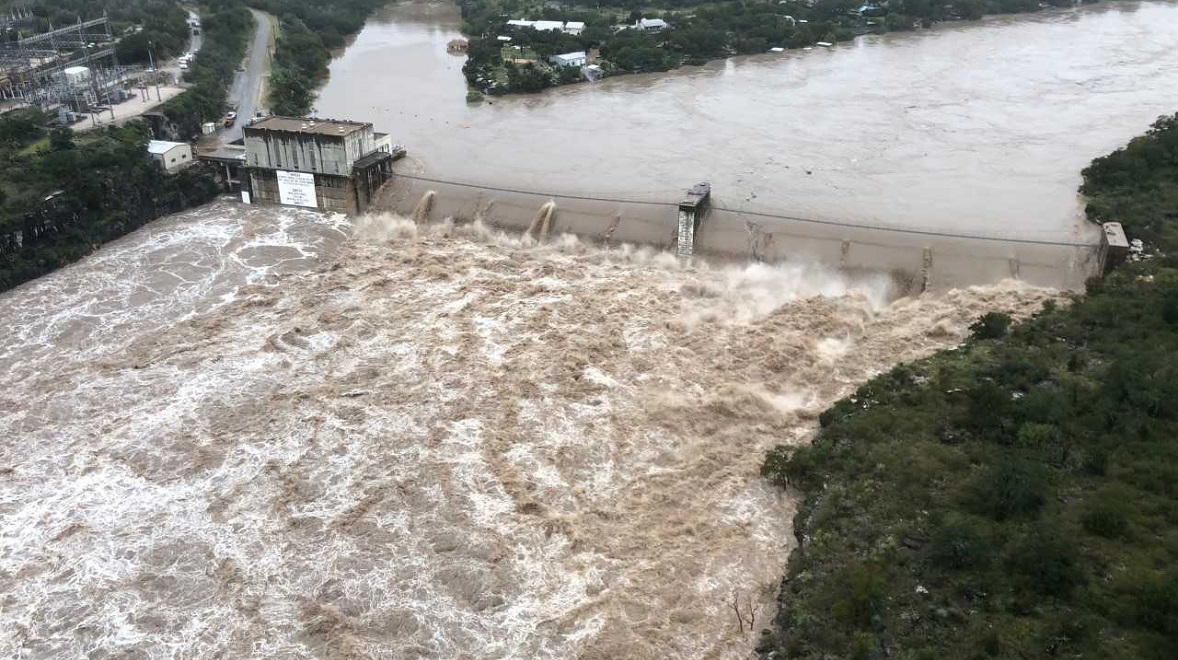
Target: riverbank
<point>1016,496</point>
<point>63,195</point>
<point>310,31</point>
<point>566,46</point>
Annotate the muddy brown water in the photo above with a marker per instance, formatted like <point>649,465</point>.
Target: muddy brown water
<point>238,433</point>
<point>268,433</point>
<point>976,128</point>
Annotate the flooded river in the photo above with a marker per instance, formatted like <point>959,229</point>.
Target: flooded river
<point>978,128</point>
<point>247,432</point>
<point>238,433</point>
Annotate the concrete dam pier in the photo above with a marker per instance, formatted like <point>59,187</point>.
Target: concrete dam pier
<point>701,223</point>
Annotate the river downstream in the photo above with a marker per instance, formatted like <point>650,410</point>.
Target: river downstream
<point>977,128</point>
<point>239,433</point>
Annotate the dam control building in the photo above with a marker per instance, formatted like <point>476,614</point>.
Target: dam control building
<point>328,164</point>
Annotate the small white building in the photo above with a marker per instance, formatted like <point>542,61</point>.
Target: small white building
<point>652,25</point>
<point>76,75</point>
<point>578,58</point>
<point>172,156</point>
<point>572,27</point>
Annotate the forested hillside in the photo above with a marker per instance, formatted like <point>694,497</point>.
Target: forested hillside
<point>1017,497</point>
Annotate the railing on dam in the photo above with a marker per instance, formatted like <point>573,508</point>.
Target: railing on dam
<point>918,258</point>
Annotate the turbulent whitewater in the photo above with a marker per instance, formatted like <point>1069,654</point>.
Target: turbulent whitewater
<point>264,433</point>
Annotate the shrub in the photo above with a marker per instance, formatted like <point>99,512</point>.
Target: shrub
<point>958,545</point>
<point>991,325</point>
<point>861,596</point>
<point>1014,486</point>
<point>1047,563</point>
<point>1107,519</point>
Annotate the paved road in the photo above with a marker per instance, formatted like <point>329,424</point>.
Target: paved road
<point>246,91</point>
<point>194,43</point>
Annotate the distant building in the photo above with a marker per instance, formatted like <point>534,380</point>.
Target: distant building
<point>592,73</point>
<point>652,25</point>
<point>317,163</point>
<point>578,58</point>
<point>572,27</point>
<point>171,156</point>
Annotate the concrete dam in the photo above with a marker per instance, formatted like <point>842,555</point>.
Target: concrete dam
<point>917,260</point>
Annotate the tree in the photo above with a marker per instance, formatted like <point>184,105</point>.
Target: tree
<point>991,325</point>
<point>61,139</point>
<point>527,78</point>
<point>290,93</point>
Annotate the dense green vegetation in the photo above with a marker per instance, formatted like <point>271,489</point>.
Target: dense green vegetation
<point>135,22</point>
<point>700,31</point>
<point>1017,497</point>
<point>310,30</point>
<point>227,26</point>
<point>83,190</point>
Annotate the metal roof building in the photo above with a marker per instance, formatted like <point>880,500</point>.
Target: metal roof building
<point>171,156</point>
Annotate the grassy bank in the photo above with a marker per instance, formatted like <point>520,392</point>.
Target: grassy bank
<point>1017,497</point>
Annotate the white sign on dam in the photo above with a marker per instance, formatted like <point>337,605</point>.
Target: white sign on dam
<point>296,189</point>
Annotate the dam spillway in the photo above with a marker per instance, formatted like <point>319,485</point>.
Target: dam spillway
<point>919,260</point>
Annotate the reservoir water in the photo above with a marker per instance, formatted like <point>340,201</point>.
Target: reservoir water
<point>977,128</point>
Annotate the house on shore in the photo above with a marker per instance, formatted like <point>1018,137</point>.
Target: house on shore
<point>578,58</point>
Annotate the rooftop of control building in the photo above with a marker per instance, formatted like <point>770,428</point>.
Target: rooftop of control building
<point>310,125</point>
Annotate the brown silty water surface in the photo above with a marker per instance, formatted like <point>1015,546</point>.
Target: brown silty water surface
<point>236,433</point>
<point>978,128</point>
